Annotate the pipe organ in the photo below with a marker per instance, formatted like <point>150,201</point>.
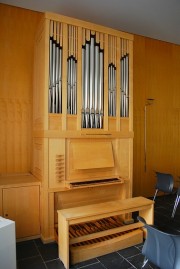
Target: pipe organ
<point>83,127</point>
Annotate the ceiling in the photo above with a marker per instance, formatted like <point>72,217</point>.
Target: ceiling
<point>158,19</point>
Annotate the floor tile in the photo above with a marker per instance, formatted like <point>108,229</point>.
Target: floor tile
<point>84,263</point>
<point>48,251</point>
<point>97,265</point>
<point>31,263</point>
<point>114,261</point>
<point>137,261</point>
<point>26,249</point>
<point>129,252</point>
<point>55,264</point>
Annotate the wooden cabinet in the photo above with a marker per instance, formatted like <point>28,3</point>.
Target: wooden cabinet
<point>20,202</point>
<point>83,115</point>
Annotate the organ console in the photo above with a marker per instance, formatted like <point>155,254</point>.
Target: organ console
<point>83,116</point>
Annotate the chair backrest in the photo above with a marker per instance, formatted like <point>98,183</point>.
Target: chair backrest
<point>165,182</point>
<point>178,191</point>
<point>161,248</point>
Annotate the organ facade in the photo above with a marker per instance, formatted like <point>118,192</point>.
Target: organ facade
<point>83,116</point>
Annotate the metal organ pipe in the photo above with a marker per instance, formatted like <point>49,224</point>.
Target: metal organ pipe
<point>57,80</point>
<point>53,76</point>
<point>96,86</point>
<point>112,77</point>
<point>55,68</point>
<point>87,111</point>
<point>72,71</point>
<point>50,73</point>
<point>124,85</point>
<point>101,88</point>
<point>127,86</point>
<point>124,80</point>
<point>60,81</point>
<point>112,90</point>
<point>122,89</point>
<point>83,88</point>
<point>92,84</point>
<point>92,95</point>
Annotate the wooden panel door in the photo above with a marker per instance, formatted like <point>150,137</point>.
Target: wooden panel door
<point>21,204</point>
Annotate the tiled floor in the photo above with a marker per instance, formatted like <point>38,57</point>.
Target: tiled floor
<point>34,254</point>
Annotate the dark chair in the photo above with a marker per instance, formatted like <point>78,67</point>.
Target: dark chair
<point>165,183</point>
<point>176,203</point>
<point>160,248</point>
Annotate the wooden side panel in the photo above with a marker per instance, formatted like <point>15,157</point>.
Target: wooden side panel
<point>16,83</point>
<point>124,157</point>
<point>56,163</point>
<point>38,158</point>
<point>15,135</point>
<point>40,90</point>
<point>63,239</point>
<point>19,206</point>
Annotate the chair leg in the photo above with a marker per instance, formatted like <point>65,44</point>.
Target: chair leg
<point>175,206</point>
<point>144,262</point>
<point>155,194</point>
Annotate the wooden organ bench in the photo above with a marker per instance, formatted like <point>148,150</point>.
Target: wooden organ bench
<point>93,230</point>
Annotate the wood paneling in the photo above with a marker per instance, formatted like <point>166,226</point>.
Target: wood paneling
<point>18,28</point>
<point>156,75</point>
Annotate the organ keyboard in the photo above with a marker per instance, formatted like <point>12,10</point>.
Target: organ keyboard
<point>95,182</point>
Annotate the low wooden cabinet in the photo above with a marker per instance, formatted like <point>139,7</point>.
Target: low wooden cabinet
<point>20,202</point>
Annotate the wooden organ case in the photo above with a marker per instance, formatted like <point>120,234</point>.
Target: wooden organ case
<point>83,116</point>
